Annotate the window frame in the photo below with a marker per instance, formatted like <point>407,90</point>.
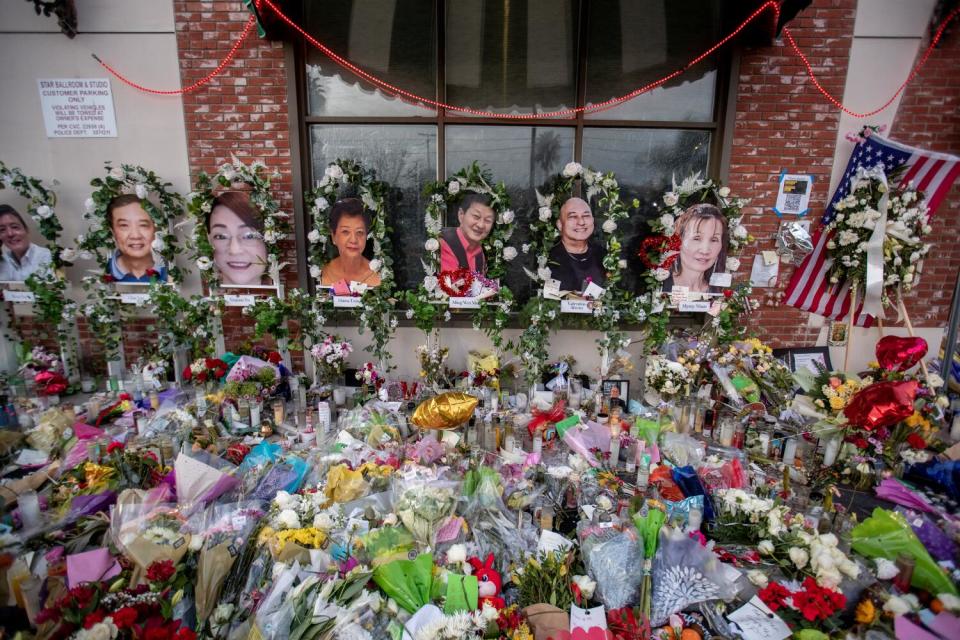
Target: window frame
<point>295,54</point>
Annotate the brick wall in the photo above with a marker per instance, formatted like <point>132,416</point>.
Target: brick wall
<point>783,122</point>
<point>242,111</point>
<point>929,117</point>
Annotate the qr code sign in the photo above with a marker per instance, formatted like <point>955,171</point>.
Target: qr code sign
<point>792,202</point>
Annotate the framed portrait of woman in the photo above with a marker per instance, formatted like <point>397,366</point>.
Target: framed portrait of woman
<point>235,229</point>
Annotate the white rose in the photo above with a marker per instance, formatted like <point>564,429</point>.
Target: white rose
<point>829,540</point>
<point>141,191</point>
<point>724,192</point>
<point>289,519</point>
<point>117,173</point>
<point>829,579</point>
<point>509,253</point>
<point>315,271</point>
<point>739,232</point>
<point>886,569</point>
<point>544,273</point>
<point>758,578</point>
<point>545,214</point>
<point>765,547</point>
<point>609,226</point>
<point>44,212</point>
<point>670,199</point>
<point>489,613</point>
<point>313,236</point>
<point>375,264</point>
<point>572,170</point>
<point>196,543</point>
<point>457,554</point>
<point>798,556</point>
<point>453,187</point>
<point>68,255</point>
<point>849,568</point>
<point>321,204</point>
<point>733,263</point>
<point>204,263</point>
<point>334,172</point>
<point>897,606</point>
<point>950,602</point>
<point>667,221</point>
<point>586,585</point>
<point>661,274</point>
<point>89,205</point>
<point>432,245</point>
<point>430,283</point>
<point>508,216</point>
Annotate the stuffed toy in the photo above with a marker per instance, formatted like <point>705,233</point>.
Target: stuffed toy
<point>488,582</point>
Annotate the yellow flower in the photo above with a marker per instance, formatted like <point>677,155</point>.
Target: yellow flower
<point>836,403</point>
<point>917,421</point>
<point>873,364</point>
<point>866,612</point>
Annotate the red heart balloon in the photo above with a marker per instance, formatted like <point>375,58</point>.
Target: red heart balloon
<point>896,353</point>
<point>883,404</point>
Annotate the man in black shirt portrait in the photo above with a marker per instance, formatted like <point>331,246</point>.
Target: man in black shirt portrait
<point>576,259</point>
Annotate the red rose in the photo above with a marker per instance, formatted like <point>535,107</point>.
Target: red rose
<point>107,278</point>
<point>274,358</point>
<point>916,441</point>
<point>157,633</point>
<point>93,618</point>
<point>125,617</point>
<point>126,396</point>
<point>161,571</point>
<point>152,273</point>
<point>114,446</point>
<point>858,441</point>
<point>187,373</point>
<point>728,293</point>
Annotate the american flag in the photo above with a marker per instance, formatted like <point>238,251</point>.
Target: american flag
<point>932,173</point>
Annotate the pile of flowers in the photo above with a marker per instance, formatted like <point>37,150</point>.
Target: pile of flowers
<point>203,370</point>
<point>665,379</point>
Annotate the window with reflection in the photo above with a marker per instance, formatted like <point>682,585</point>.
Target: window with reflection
<point>511,57</point>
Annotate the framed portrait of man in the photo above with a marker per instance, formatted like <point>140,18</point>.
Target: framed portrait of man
<point>134,259</point>
<point>576,260</point>
<point>461,246</point>
<point>617,393</point>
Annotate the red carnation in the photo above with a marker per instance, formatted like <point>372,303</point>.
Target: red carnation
<point>858,441</point>
<point>916,441</point>
<point>125,617</point>
<point>185,633</point>
<point>774,595</point>
<point>161,571</point>
<point>93,618</point>
<point>114,446</point>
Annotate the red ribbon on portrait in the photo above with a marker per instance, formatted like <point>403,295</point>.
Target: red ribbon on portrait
<point>667,249</point>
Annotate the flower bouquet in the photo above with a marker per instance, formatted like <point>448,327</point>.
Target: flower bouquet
<point>147,532</point>
<point>226,529</point>
<point>205,370</point>
<point>665,380</point>
<point>422,500</point>
<point>331,359</point>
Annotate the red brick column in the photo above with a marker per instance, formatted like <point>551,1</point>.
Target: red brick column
<point>783,122</point>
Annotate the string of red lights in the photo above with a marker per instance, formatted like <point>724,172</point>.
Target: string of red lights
<point>431,104</point>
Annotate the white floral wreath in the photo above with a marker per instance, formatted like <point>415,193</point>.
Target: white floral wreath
<point>163,205</point>
<point>693,190</point>
<point>371,193</point>
<point>376,312</point>
<point>276,224</point>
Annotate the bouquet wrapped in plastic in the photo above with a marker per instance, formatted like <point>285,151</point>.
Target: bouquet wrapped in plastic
<point>685,573</point>
<point>886,534</point>
<point>225,529</point>
<point>613,559</point>
<point>493,525</point>
<point>422,500</point>
<point>147,532</point>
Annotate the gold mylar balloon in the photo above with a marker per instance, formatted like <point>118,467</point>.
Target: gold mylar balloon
<point>445,411</point>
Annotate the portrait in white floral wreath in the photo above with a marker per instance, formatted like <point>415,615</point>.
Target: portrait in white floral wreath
<point>19,257</point>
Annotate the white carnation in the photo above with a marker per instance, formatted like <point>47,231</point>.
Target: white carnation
<point>740,232</point>
<point>44,212</point>
<point>886,569</point>
<point>609,226</point>
<point>667,221</point>
<point>158,244</point>
<point>375,264</point>
<point>321,204</point>
<point>453,187</point>
<point>733,263</point>
<point>141,191</point>
<point>334,172</point>
<point>315,271</point>
<point>586,584</point>
<point>661,274</point>
<point>204,263</point>
<point>289,519</point>
<point>545,214</point>
<point>430,283</point>
<point>724,192</point>
<point>313,236</point>
<point>432,244</point>
<point>670,199</point>
<point>509,253</point>
<point>508,216</point>
<point>544,273</point>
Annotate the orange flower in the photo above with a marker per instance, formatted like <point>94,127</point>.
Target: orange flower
<point>866,612</point>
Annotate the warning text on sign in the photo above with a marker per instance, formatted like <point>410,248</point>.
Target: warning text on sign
<point>78,108</point>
